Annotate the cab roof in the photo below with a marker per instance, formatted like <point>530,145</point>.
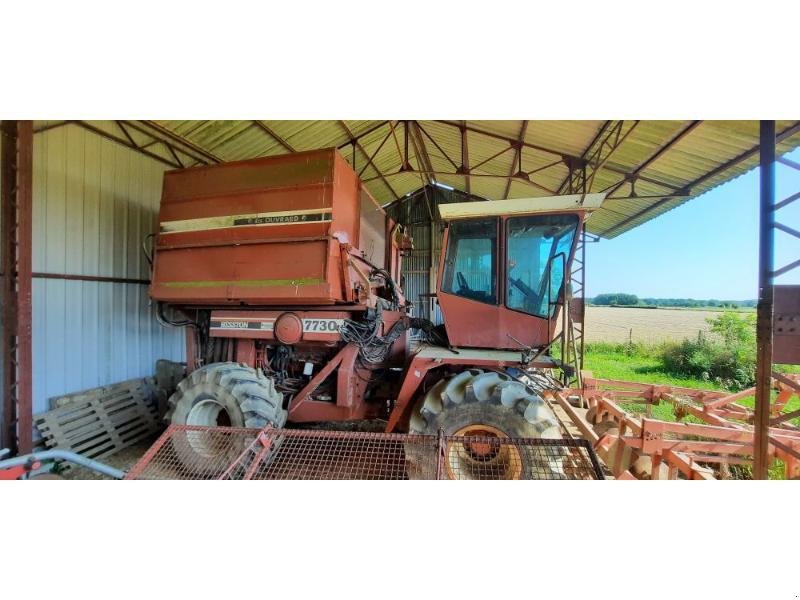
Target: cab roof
<point>521,206</point>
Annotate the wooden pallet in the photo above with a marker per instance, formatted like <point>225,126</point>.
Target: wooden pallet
<point>100,422</point>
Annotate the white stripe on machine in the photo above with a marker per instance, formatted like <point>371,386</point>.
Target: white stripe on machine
<point>313,215</point>
<point>309,325</point>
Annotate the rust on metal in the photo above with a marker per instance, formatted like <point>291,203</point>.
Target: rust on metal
<point>786,325</point>
<point>766,283</point>
<point>16,226</point>
<point>93,278</point>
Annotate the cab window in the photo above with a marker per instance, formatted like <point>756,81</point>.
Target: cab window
<point>537,253</point>
<point>470,269</point>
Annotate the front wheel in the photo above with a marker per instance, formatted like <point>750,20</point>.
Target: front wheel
<point>491,406</point>
<point>222,395</point>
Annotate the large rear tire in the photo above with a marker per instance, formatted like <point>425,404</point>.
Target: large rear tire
<point>488,405</point>
<point>219,395</point>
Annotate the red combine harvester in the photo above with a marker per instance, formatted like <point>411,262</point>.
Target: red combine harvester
<point>287,276</point>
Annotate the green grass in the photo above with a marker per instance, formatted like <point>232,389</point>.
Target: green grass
<point>634,363</point>
<point>641,363</point>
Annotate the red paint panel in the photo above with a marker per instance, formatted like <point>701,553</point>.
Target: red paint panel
<point>243,235</point>
<point>473,324</point>
<point>301,168</point>
<point>280,199</point>
<point>253,274</point>
<point>246,352</point>
<point>469,323</point>
<point>786,325</point>
<point>346,203</point>
<point>215,259</point>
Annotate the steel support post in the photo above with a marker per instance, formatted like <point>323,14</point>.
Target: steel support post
<point>766,248</point>
<point>582,339</point>
<point>16,155</point>
<point>577,310</point>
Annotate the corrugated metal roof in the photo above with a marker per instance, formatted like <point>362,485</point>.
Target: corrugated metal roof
<point>690,157</point>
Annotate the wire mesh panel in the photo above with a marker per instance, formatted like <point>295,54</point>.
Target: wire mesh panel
<point>188,452</point>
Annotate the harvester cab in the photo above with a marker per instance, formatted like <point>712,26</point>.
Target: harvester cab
<point>504,268</point>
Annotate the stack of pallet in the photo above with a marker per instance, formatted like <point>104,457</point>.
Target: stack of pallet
<point>102,421</point>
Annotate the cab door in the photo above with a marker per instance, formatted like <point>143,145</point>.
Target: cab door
<point>501,278</point>
<point>537,254</point>
<point>469,282</point>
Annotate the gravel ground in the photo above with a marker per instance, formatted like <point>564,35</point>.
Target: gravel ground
<point>123,460</point>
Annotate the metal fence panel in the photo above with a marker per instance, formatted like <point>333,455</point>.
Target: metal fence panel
<point>189,452</point>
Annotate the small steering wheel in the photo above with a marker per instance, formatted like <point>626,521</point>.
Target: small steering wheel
<point>462,282</point>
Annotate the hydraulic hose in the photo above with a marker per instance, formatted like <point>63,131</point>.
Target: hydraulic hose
<point>73,457</point>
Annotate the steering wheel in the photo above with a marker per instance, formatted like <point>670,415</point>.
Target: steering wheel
<point>529,296</point>
<point>462,282</point>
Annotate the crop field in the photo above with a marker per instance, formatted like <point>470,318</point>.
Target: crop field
<point>650,326</point>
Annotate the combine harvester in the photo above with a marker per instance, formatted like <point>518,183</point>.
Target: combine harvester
<point>287,277</point>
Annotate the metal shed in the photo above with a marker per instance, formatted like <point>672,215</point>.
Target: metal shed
<point>80,196</point>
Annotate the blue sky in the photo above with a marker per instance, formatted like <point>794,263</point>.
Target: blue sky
<point>706,248</point>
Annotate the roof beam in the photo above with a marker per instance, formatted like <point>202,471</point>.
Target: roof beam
<point>274,135</point>
<point>422,152</point>
<point>207,156</point>
<point>126,143</point>
<point>438,147</point>
<point>504,138</point>
<point>421,170</point>
<point>655,156</point>
<point>464,168</point>
<point>452,174</point>
<point>354,140</point>
<point>374,154</point>
<point>517,158</point>
<point>600,132</point>
<point>564,155</point>
<point>174,155</point>
<point>493,156</point>
<point>127,135</point>
<point>598,160</point>
<point>785,134</point>
<point>154,141</point>
<point>53,126</point>
<point>404,166</point>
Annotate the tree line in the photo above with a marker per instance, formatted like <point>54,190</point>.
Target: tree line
<point>620,299</point>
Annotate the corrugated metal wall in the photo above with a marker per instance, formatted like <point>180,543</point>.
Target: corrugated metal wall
<point>420,273</point>
<point>94,201</point>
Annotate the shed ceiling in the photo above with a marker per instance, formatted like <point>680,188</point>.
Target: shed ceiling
<point>646,167</point>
